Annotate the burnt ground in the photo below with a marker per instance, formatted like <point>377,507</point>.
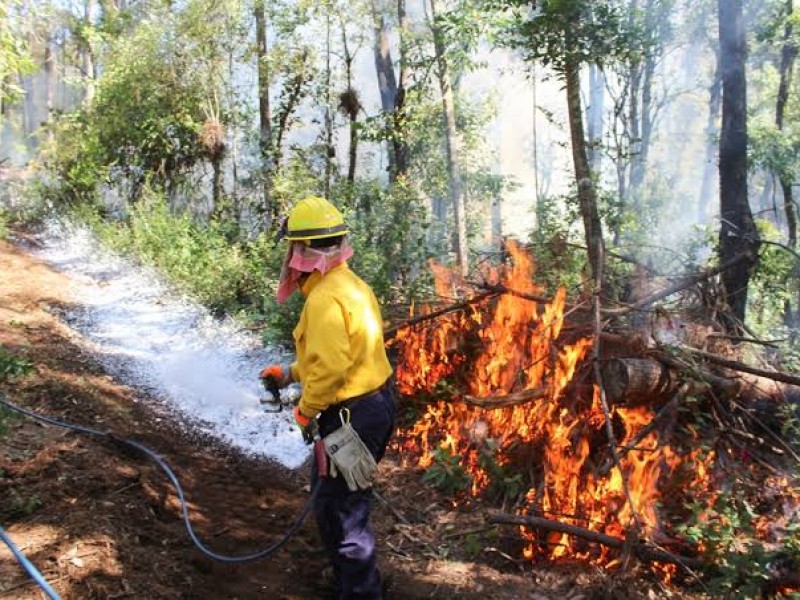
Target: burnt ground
<point>102,522</point>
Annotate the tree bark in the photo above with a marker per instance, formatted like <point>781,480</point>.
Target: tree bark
<point>587,194</point>
<point>89,71</point>
<point>737,231</point>
<point>594,116</point>
<point>264,112</point>
<point>710,168</point>
<point>49,84</point>
<point>452,146</point>
<point>788,56</point>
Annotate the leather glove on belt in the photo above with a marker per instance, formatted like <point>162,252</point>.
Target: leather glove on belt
<point>349,456</point>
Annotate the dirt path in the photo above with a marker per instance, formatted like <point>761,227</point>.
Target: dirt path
<point>100,522</point>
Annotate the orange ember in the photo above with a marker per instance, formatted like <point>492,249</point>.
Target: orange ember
<point>501,348</point>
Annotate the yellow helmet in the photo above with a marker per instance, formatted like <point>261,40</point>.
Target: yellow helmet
<point>314,218</point>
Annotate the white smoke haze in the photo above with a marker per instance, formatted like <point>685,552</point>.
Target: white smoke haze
<point>199,370</point>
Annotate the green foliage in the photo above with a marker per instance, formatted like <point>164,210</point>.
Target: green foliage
<point>769,293</point>
<point>225,276</point>
<point>4,220</point>
<point>566,32</point>
<point>556,242</point>
<point>446,473</point>
<point>17,506</point>
<point>506,482</point>
<point>773,149</point>
<point>12,365</point>
<point>727,533</point>
<point>14,53</point>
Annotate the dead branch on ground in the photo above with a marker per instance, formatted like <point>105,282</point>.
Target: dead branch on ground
<point>639,549</point>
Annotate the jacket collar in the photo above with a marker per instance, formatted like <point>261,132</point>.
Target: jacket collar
<point>312,280</point>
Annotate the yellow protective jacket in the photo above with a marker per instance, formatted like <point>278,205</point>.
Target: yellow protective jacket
<point>339,341</point>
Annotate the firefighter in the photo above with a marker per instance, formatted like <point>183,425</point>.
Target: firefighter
<point>347,386</point>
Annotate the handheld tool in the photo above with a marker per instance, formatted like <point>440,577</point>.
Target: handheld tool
<point>272,402</point>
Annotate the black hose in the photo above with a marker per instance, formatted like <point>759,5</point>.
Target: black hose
<point>265,553</point>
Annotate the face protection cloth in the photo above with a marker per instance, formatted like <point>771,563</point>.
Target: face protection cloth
<point>301,259</point>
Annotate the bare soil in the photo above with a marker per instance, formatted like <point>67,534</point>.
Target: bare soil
<point>102,522</point>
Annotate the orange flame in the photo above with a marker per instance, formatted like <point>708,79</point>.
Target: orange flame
<point>511,345</point>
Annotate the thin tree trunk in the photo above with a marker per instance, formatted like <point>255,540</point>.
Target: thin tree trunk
<point>49,85</point>
<point>710,168</point>
<point>452,143</point>
<point>384,69</point>
<point>90,14</point>
<point>653,21</point>
<point>788,56</point>
<point>329,150</point>
<point>402,154</point>
<point>594,116</point>
<point>737,231</point>
<point>587,194</point>
<point>264,113</point>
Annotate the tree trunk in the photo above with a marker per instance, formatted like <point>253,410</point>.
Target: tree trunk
<point>402,153</point>
<point>350,105</point>
<point>329,149</point>
<point>710,167</point>
<point>594,116</point>
<point>452,143</point>
<point>89,71</point>
<point>49,85</point>
<point>587,194</point>
<point>387,83</point>
<point>737,231</point>
<point>788,56</point>
<point>264,113</point>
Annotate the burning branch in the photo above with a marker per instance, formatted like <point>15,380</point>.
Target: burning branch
<point>392,331</point>
<point>640,550</point>
<point>493,402</point>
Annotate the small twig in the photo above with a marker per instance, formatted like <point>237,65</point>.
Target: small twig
<point>455,534</point>
<point>398,515</point>
<point>737,338</point>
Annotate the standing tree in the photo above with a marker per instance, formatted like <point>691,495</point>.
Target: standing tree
<point>451,140</point>
<point>737,232</point>
<point>565,35</point>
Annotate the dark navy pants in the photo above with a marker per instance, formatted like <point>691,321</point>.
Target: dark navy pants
<point>343,516</point>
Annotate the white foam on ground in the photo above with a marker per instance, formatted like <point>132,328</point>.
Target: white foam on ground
<point>205,372</point>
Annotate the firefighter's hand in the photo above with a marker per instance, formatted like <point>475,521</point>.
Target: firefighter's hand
<point>280,374</point>
<point>304,423</point>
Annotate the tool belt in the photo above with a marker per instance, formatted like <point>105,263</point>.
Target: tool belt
<point>329,418</point>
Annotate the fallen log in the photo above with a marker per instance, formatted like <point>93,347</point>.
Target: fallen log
<point>641,550</point>
<point>635,381</point>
